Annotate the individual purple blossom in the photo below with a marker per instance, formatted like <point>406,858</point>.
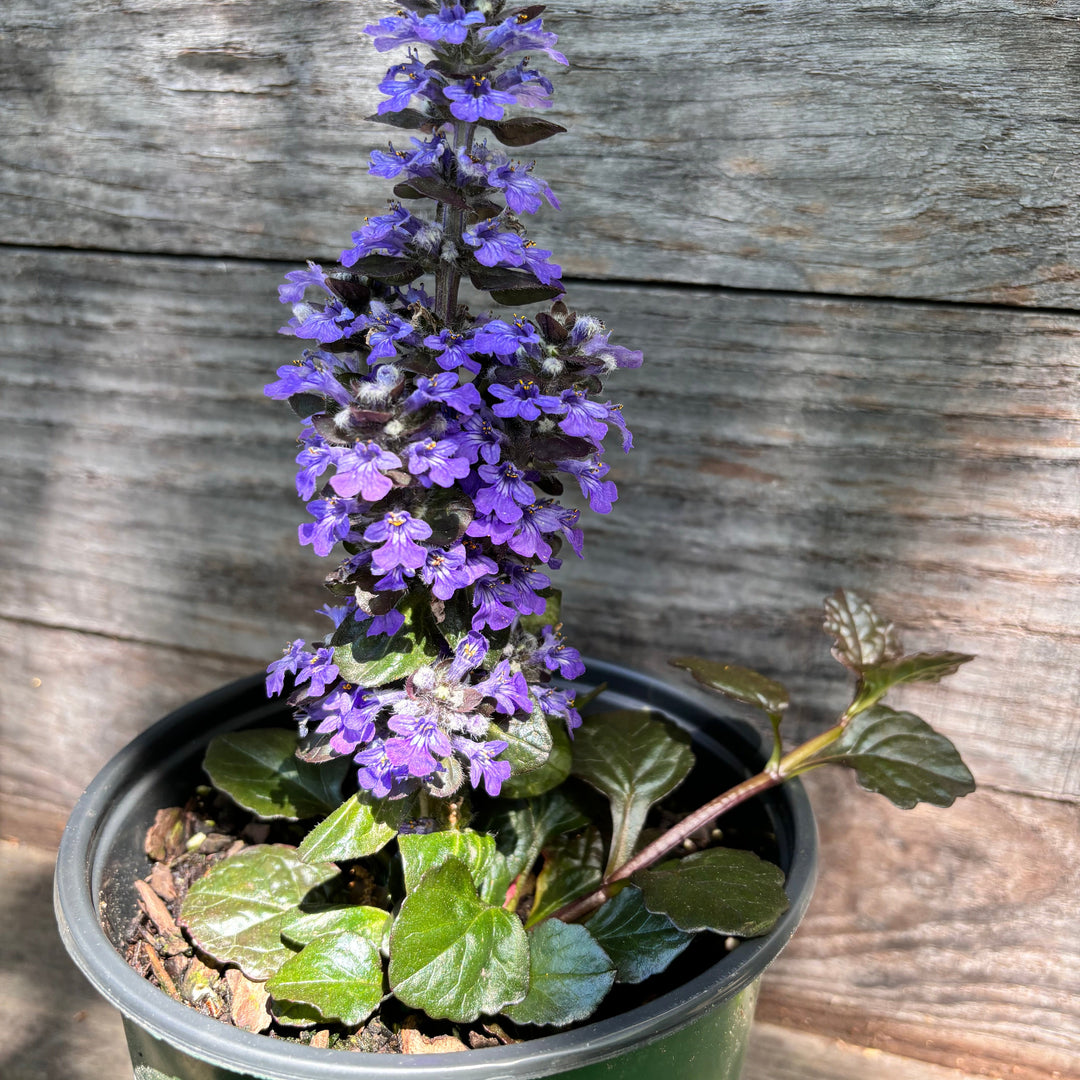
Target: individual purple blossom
<point>535,260</point>
<point>389,234</point>
<point>524,400</point>
<point>377,773</point>
<point>394,30</point>
<point>295,657</point>
<point>601,493</point>
<point>383,331</point>
<point>361,470</point>
<point>477,564</point>
<point>468,656</point>
<point>610,356</point>
<point>331,523</point>
<point>505,494</point>
<point>398,532</point>
<point>388,624</point>
<point>299,280</point>
<point>527,86</point>
<point>477,436</point>
<point>437,459</point>
<point>322,324</point>
<point>482,764</point>
<point>395,580</point>
<point>509,689</point>
<point>520,588</point>
<point>538,520</point>
<point>615,416</point>
<point>584,418</point>
<point>556,655</point>
<point>349,715</point>
<point>318,671</point>
<point>505,339</point>
<point>489,525</point>
<point>495,246</point>
<point>522,34</point>
<point>476,99</point>
<point>442,389</point>
<point>421,741</point>
<point>451,24</point>
<point>557,702</point>
<point>337,615</point>
<point>455,351</point>
<point>522,190</point>
<point>315,458</point>
<point>490,609</point>
<point>445,571</point>
<point>308,375</point>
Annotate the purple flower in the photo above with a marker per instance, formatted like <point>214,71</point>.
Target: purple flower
<point>601,493</point>
<point>454,350</point>
<point>509,689</point>
<point>436,458</point>
<point>527,86</point>
<point>388,624</point>
<point>522,190</point>
<point>615,416</point>
<point>468,656</point>
<point>445,571</point>
<point>523,399</point>
<point>337,615</point>
<point>451,25</point>
<point>477,437</point>
<point>422,739</point>
<point>361,469</point>
<point>384,330</point>
<point>537,520</point>
<point>482,764</point>
<point>442,389</point>
<point>331,524</point>
<point>390,234</point>
<point>490,610</point>
<point>398,532</point>
<point>520,587</point>
<point>583,418</point>
<point>504,339</point>
<point>477,563</point>
<point>476,99</point>
<point>378,774</point>
<point>299,280</point>
<point>520,33</point>
<point>556,655</point>
<point>394,30</point>
<point>308,375</point>
<point>316,457</point>
<point>494,245</point>
<point>318,670</point>
<point>349,713</point>
<point>610,356</point>
<point>560,703</point>
<point>534,260</point>
<point>323,324</point>
<point>295,657</point>
<point>506,494</point>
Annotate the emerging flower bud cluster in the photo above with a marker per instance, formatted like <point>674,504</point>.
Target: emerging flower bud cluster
<point>433,439</point>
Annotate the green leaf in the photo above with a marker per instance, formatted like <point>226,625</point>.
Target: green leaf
<point>533,624</point>
<point>635,758</point>
<point>422,853</point>
<point>900,756</point>
<point>549,775</point>
<point>528,741</point>
<point>236,911</point>
<point>301,927</point>
<point>376,661</point>
<point>387,268</point>
<point>919,667</point>
<point>259,771</point>
<point>862,636</point>
<point>639,942</point>
<point>453,955</point>
<point>569,975</point>
<point>338,975</point>
<point>428,187</point>
<point>360,826</point>
<point>525,294</point>
<point>522,130</point>
<point>719,889</point>
<point>410,119</point>
<point>572,867</point>
<point>522,829</point>
<point>738,683</point>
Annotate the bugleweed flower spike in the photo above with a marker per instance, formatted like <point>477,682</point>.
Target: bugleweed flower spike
<point>435,441</point>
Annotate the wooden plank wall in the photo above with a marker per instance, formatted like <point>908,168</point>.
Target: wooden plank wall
<point>845,235</point>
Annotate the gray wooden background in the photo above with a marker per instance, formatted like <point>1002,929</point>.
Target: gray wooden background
<point>846,234</point>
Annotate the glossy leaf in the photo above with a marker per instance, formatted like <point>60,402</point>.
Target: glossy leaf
<point>522,130</point>
<point>862,636</point>
<point>549,775</point>
<point>409,119</point>
<point>422,853</point>
<point>338,975</point>
<point>738,683</point>
<point>259,771</point>
<point>301,927</point>
<point>639,942</point>
<point>360,826</point>
<point>418,187</point>
<point>528,742</point>
<point>900,756</point>
<point>719,889</point>
<point>376,661</point>
<point>453,955</point>
<point>387,268</point>
<point>573,866</point>
<point>569,975</point>
<point>236,912</point>
<point>635,758</point>
<point>919,667</point>
<point>522,829</point>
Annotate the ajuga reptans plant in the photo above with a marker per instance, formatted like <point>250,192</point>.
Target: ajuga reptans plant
<point>434,449</point>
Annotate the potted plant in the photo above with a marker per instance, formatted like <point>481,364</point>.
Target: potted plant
<point>458,861</point>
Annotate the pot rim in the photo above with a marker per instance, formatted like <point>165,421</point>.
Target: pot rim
<point>79,873</point>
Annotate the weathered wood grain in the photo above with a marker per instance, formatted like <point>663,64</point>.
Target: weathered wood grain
<point>912,148</point>
<point>926,455</point>
<point>947,936</point>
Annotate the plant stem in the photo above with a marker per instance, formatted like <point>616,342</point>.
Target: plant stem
<point>448,277</point>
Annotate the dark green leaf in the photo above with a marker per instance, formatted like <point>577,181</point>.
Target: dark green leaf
<point>862,636</point>
<point>457,619</point>
<point>720,889</point>
<point>549,775</point>
<point>900,756</point>
<point>635,758</point>
<point>305,405</point>
<point>420,854</point>
<point>236,911</point>
<point>522,130</point>
<point>639,942</point>
<point>302,926</point>
<point>376,661</point>
<point>522,829</point>
<point>453,955</point>
<point>338,975</point>
<point>569,975</point>
<point>920,667</point>
<point>738,683</point>
<point>409,119</point>
<point>360,826</point>
<point>528,742</point>
<point>389,269</point>
<point>533,624</point>
<point>525,294</point>
<point>259,771</point>
<point>429,187</point>
<point>573,866</point>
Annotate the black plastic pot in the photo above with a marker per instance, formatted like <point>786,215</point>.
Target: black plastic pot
<point>695,1032</point>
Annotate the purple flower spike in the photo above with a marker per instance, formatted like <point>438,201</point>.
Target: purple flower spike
<point>482,764</point>
<point>398,532</point>
<point>295,657</point>
<point>361,469</point>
